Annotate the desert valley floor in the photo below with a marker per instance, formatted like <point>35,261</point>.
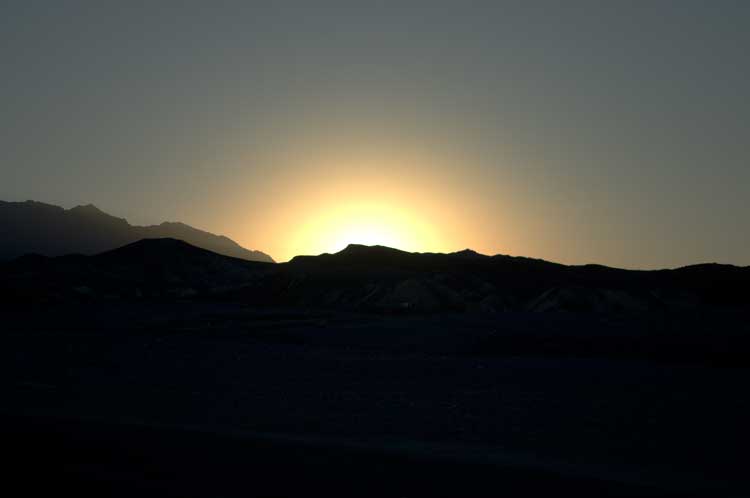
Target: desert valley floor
<point>177,398</point>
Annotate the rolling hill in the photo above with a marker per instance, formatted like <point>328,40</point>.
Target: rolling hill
<point>375,279</point>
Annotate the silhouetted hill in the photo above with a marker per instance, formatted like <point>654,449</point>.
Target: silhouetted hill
<point>171,336</point>
<point>35,227</point>
<point>172,260</point>
<point>381,278</point>
<point>378,279</point>
<point>148,268</point>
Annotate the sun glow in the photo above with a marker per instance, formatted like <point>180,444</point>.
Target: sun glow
<point>368,234</point>
<point>360,195</point>
<point>347,223</point>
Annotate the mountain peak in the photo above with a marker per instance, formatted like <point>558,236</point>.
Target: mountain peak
<point>361,249</point>
<point>155,246</point>
<point>174,224</point>
<point>468,253</point>
<point>34,227</point>
<point>87,209</point>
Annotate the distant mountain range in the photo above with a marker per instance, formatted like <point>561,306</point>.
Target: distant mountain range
<point>381,278</point>
<point>373,279</point>
<point>37,228</point>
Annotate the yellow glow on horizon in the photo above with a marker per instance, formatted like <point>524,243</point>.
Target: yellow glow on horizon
<point>321,196</point>
<point>368,223</point>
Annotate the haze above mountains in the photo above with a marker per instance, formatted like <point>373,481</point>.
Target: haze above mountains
<point>32,227</point>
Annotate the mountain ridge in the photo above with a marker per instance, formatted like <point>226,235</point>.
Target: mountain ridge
<point>363,250</point>
<point>381,278</point>
<point>46,229</point>
<point>378,279</point>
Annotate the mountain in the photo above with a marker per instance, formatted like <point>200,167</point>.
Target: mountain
<point>374,279</point>
<point>381,279</point>
<point>35,227</point>
<point>148,268</point>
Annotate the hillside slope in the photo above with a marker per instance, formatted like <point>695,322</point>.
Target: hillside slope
<point>39,228</point>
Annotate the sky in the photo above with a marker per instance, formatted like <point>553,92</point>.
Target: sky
<point>579,132</point>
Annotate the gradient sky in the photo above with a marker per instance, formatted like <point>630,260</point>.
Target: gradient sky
<point>607,132</point>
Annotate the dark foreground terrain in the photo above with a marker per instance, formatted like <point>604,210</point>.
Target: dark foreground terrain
<point>193,398</point>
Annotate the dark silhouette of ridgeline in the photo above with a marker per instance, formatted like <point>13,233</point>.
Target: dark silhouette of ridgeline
<point>384,278</point>
<point>149,268</point>
<point>373,279</point>
<point>36,228</point>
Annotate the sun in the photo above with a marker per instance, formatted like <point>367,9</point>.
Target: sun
<point>368,223</point>
<point>360,190</point>
<point>369,233</point>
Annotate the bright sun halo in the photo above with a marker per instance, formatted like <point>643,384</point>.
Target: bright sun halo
<point>369,234</point>
<point>331,230</point>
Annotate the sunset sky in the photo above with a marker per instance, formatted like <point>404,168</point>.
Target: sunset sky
<point>579,132</point>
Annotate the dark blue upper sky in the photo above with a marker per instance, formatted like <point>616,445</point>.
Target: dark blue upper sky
<point>610,132</point>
